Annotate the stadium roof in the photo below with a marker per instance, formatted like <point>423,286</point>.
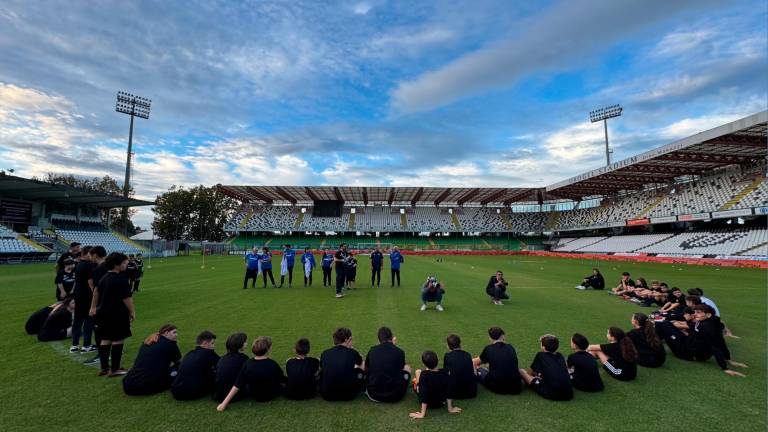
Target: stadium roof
<point>739,142</point>
<point>33,190</point>
<point>371,194</point>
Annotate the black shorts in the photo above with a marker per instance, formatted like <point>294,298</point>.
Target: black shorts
<point>113,328</point>
<point>251,273</point>
<point>547,392</point>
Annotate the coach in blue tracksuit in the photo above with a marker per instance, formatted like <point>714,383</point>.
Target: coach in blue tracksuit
<point>327,263</point>
<point>266,266</point>
<point>377,262</point>
<point>290,260</point>
<point>395,259</point>
<point>251,267</point>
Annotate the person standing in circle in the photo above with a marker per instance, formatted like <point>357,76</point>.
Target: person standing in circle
<point>266,266</point>
<point>114,313</point>
<point>377,262</point>
<point>395,258</point>
<point>65,279</point>
<point>340,258</point>
<point>290,260</point>
<point>327,262</point>
<point>308,262</point>
<point>251,268</point>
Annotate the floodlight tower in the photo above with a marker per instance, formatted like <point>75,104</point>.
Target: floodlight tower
<point>604,114</point>
<point>134,106</point>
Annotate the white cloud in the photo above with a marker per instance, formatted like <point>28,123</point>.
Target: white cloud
<point>682,42</point>
<point>408,41</point>
<point>362,8</point>
<point>568,31</point>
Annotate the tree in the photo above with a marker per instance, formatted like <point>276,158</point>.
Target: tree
<point>106,185</point>
<point>198,214</point>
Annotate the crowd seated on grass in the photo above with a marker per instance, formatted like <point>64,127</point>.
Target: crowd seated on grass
<point>690,326</point>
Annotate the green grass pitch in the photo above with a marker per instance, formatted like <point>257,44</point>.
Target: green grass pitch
<point>46,388</point>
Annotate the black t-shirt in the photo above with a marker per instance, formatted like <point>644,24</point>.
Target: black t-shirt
<point>36,320</point>
<point>384,366</point>
<point>55,327</point>
<point>586,374</point>
<point>227,371</point>
<point>503,372</point>
<point>629,283</point>
<point>197,374</point>
<point>82,290</point>
<point>263,379</point>
<point>153,365</point>
<point>554,375</point>
<point>458,364</point>
<point>613,351</point>
<point>67,280</point>
<point>113,290</point>
<point>341,255</point>
<point>98,272</point>
<point>433,388</point>
<point>63,257</point>
<point>646,355</point>
<point>301,378</point>
<point>339,373</point>
<point>132,270</point>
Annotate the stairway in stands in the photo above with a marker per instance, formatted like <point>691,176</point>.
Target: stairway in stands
<point>245,220</point>
<point>552,220</point>
<point>742,193</point>
<point>650,207</point>
<point>752,248</point>
<point>506,220</point>
<point>299,219</point>
<point>456,222</point>
<point>403,221</point>
<point>351,225</point>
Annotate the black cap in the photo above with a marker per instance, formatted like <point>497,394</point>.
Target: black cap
<point>73,244</point>
<point>68,261</point>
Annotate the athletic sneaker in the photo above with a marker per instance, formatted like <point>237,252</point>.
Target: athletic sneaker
<point>423,308</point>
<point>339,295</point>
<point>439,308</point>
<point>117,373</point>
<point>74,349</point>
<point>92,361</point>
<point>89,348</point>
<point>581,287</point>
<point>499,303</point>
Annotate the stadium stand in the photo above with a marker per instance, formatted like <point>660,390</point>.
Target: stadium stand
<point>9,243</point>
<point>102,236</point>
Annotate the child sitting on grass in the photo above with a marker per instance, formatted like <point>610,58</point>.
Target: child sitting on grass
<point>431,386</point>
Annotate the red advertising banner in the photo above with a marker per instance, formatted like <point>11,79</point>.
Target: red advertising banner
<point>634,222</point>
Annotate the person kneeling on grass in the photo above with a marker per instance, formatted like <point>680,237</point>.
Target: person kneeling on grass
<point>594,281</point>
<point>197,373</point>
<point>342,377</point>
<point>502,374</point>
<point>549,375</point>
<point>229,365</point>
<point>458,364</point>
<point>387,374</point>
<point>585,375</point>
<point>58,325</point>
<point>260,376</point>
<point>432,291</point>
<point>432,386</point>
<point>699,338</point>
<point>619,356</point>
<point>301,373</point>
<point>155,365</point>
<point>497,288</point>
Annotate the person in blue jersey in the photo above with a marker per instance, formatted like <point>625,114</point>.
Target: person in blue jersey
<point>251,268</point>
<point>326,264</point>
<point>290,260</point>
<point>395,258</point>
<point>377,261</point>
<point>266,266</point>
<point>308,262</point>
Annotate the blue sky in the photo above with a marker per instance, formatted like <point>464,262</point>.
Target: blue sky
<point>481,93</point>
